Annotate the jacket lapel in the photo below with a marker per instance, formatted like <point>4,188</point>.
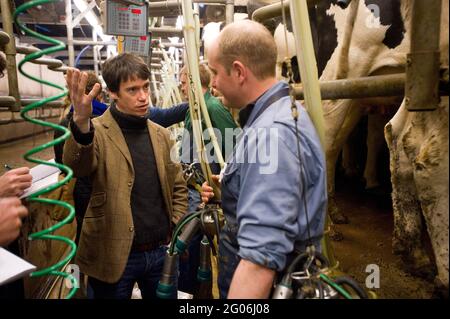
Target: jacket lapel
<point>157,142</point>
<point>115,134</point>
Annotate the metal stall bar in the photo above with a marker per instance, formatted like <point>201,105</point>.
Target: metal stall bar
<point>365,87</point>
<point>10,51</point>
<point>422,67</point>
<point>69,27</point>
<point>307,64</point>
<point>229,11</point>
<point>166,32</point>
<point>274,10</point>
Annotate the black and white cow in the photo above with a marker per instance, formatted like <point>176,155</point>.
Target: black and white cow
<point>334,35</point>
<point>418,146</point>
<point>371,37</point>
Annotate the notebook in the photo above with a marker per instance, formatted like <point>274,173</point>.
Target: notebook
<point>13,267</point>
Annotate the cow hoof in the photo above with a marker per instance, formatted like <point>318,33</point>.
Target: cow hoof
<point>440,290</point>
<point>337,217</point>
<point>419,264</point>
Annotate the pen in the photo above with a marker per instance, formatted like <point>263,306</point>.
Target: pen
<point>7,167</point>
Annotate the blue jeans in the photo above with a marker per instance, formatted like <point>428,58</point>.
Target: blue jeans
<point>187,280</point>
<point>145,268</point>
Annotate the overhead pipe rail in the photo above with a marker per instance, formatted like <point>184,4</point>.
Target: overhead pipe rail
<point>10,51</point>
<point>275,10</point>
<point>367,87</point>
<point>166,32</point>
<point>173,8</point>
<point>52,64</point>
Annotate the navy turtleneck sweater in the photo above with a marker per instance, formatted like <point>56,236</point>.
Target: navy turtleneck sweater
<point>151,222</point>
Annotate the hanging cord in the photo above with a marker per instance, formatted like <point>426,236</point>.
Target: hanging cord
<point>54,270</point>
<point>311,254</point>
<point>295,115</point>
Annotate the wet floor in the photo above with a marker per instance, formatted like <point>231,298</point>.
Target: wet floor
<point>12,153</point>
<point>367,244</point>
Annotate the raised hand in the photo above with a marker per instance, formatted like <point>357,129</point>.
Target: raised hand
<point>82,102</point>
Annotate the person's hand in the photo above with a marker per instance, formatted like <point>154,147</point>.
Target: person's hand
<point>11,213</point>
<point>207,191</point>
<point>82,102</point>
<point>15,182</point>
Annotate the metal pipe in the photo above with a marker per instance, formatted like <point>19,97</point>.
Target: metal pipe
<point>166,32</point>
<point>10,51</point>
<point>26,49</point>
<point>164,8</point>
<point>7,101</point>
<point>307,64</point>
<point>274,10</point>
<point>52,63</point>
<point>422,67</point>
<point>20,120</point>
<point>69,27</point>
<point>4,38</point>
<point>229,11</point>
<point>88,42</point>
<point>372,86</point>
<point>365,87</point>
<point>170,44</point>
<point>95,53</point>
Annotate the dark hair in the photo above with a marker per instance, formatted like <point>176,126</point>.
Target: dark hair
<point>122,68</point>
<point>91,81</point>
<point>2,65</point>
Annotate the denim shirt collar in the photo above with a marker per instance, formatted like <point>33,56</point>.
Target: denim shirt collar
<point>247,115</point>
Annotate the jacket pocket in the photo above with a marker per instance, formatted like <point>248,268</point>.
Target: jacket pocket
<point>98,199</point>
<point>96,205</point>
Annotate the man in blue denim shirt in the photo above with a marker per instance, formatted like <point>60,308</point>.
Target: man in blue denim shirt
<point>262,186</point>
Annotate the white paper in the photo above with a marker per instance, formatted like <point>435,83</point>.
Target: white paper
<point>43,176</point>
<point>13,267</point>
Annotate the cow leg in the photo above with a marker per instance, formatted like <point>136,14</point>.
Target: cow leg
<point>431,178</point>
<point>375,141</point>
<point>340,120</point>
<point>350,155</point>
<point>406,240</point>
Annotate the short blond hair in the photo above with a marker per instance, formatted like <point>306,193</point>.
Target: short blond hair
<point>250,43</point>
<point>205,75</point>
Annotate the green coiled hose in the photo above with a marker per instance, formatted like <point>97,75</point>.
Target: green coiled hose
<point>54,270</point>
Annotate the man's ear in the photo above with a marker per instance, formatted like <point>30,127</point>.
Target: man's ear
<point>240,70</point>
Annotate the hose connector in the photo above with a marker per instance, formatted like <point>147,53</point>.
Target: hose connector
<point>188,232</point>
<point>167,285</point>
